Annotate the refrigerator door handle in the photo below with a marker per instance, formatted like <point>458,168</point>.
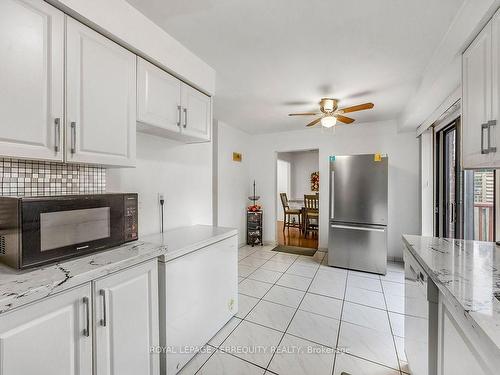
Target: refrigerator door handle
<point>332,194</point>
<point>368,229</point>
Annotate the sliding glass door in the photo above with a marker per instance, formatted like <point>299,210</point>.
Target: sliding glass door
<point>448,195</point>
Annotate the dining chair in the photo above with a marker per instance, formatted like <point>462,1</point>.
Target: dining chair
<point>311,213</point>
<point>289,213</point>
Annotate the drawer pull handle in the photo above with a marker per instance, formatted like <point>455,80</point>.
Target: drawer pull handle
<point>103,321</point>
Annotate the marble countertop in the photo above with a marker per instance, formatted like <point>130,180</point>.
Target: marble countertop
<point>182,241</point>
<point>468,273</point>
<point>19,287</point>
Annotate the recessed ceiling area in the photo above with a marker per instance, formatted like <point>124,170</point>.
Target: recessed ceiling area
<point>281,56</point>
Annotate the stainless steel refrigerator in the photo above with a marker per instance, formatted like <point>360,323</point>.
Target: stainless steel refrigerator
<point>357,236</point>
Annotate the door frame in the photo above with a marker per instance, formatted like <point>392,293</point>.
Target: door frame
<point>275,188</point>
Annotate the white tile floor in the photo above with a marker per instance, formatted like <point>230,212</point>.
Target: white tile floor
<point>295,310</point>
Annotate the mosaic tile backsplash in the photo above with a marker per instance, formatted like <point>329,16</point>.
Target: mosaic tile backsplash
<point>35,178</point>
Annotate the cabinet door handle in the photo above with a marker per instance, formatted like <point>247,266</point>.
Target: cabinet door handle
<point>185,118</point>
<point>57,134</point>
<point>73,137</point>
<point>104,319</point>
<point>179,118</point>
<point>86,330</point>
<point>484,127</point>
<point>491,124</point>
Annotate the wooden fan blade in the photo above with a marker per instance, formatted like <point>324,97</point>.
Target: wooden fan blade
<point>304,114</point>
<point>312,123</point>
<point>359,107</point>
<point>344,119</point>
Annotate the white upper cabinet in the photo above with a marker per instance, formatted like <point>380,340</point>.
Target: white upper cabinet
<point>197,114</point>
<point>100,99</point>
<point>50,337</point>
<point>31,79</point>
<point>158,99</point>
<point>170,108</point>
<point>495,81</point>
<point>481,99</point>
<point>127,326</point>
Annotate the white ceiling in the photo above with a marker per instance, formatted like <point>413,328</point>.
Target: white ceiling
<point>273,57</point>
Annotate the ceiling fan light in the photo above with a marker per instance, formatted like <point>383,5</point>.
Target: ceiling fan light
<point>328,105</point>
<point>328,121</point>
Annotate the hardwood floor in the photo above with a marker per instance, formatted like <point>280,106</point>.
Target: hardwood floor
<point>293,237</point>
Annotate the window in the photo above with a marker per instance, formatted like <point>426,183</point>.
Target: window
<point>480,198</point>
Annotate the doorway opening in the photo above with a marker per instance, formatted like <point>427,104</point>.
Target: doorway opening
<point>297,198</point>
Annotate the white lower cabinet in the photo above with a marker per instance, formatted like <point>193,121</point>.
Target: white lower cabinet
<point>104,327</point>
<point>126,321</point>
<point>461,349</point>
<point>51,337</point>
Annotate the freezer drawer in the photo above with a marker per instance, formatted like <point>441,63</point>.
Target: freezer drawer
<point>358,247</point>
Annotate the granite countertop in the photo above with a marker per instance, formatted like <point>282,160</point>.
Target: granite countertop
<point>467,273</point>
<point>19,287</point>
<point>182,241</point>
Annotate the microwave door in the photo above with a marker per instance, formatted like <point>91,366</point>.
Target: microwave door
<point>68,228</point>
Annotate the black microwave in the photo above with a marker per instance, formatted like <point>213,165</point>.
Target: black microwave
<point>39,230</point>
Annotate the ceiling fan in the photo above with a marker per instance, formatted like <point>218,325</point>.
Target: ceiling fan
<point>330,113</point>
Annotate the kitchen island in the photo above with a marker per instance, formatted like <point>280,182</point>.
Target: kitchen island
<point>467,277</point>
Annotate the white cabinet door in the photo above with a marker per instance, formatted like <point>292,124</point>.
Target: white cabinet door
<point>495,108</point>
<point>126,316</point>
<point>51,337</point>
<point>477,100</point>
<point>31,79</point>
<point>101,99</point>
<point>458,355</point>
<point>158,99</point>
<point>197,114</point>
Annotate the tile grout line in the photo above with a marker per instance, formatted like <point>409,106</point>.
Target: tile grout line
<point>390,326</point>
<point>340,324</point>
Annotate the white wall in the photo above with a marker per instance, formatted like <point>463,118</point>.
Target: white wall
<point>403,152</point>
<point>303,164</point>
<point>182,172</point>
<point>234,185</point>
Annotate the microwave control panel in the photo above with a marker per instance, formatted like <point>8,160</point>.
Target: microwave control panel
<point>131,227</point>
